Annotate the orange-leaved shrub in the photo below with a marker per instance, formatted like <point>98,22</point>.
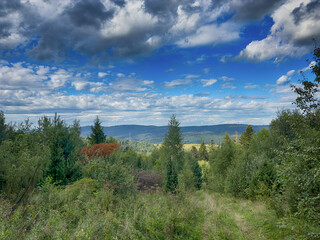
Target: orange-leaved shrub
<point>100,150</point>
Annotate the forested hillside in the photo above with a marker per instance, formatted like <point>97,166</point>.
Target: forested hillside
<point>191,134</point>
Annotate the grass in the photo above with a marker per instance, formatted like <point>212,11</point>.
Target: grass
<point>86,210</point>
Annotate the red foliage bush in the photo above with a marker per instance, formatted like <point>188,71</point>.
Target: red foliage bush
<point>100,150</point>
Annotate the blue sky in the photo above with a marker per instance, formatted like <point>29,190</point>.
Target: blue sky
<point>140,61</point>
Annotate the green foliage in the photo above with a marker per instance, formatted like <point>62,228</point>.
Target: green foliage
<point>203,153</point>
<point>172,177</point>
<point>172,143</point>
<point>97,135</point>
<point>113,171</point>
<point>23,163</point>
<point>307,99</point>
<point>197,174</point>
<point>3,127</point>
<point>140,147</point>
<point>246,137</point>
<point>194,152</point>
<point>65,143</point>
<point>84,210</point>
<point>172,154</point>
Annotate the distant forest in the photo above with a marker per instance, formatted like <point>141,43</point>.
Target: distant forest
<point>191,134</point>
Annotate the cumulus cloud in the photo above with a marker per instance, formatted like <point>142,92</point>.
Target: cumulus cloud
<point>296,24</point>
<point>114,28</point>
<point>285,78</point>
<point>211,35</point>
<point>102,74</point>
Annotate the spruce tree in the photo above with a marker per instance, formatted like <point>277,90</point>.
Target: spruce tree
<point>97,135</point>
<point>194,152</point>
<point>172,177</point>
<point>203,153</point>
<point>197,175</point>
<point>173,153</point>
<point>246,137</point>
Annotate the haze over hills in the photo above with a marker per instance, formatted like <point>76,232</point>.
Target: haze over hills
<point>191,134</point>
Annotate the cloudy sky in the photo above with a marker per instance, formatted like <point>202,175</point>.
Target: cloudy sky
<point>139,61</point>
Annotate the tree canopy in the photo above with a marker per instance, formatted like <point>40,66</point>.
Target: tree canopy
<point>97,135</point>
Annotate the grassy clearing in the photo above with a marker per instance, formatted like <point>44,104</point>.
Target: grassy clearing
<point>85,210</point>
<point>233,218</point>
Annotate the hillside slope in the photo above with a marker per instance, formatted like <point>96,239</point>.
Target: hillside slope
<point>191,134</point>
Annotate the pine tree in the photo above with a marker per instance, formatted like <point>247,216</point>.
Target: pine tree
<point>203,153</point>
<point>97,135</point>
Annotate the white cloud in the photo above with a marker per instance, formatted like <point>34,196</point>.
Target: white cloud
<point>211,35</point>
<point>308,67</point>
<point>191,76</point>
<point>290,73</point>
<point>283,79</point>
<point>250,86</point>
<point>291,34</point>
<point>59,79</point>
<point>102,74</point>
<point>224,78</point>
<point>208,82</point>
<point>228,85</point>
<point>177,83</point>
<point>120,75</point>
<point>89,86</point>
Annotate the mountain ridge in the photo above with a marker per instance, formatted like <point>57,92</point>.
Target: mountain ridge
<point>155,134</point>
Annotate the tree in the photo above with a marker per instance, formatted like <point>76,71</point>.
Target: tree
<point>173,153</point>
<point>3,127</point>
<point>194,152</point>
<point>203,153</point>
<point>197,175</point>
<point>247,136</point>
<point>172,177</point>
<point>211,148</point>
<point>97,135</point>
<point>307,100</point>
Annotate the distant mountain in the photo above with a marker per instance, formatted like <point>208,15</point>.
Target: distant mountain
<point>191,134</point>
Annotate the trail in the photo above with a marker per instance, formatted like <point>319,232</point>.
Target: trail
<point>224,218</point>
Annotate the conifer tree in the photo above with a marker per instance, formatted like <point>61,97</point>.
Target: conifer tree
<point>211,149</point>
<point>172,177</point>
<point>194,152</point>
<point>173,152</point>
<point>203,153</point>
<point>197,175</point>
<point>97,135</point>
<point>247,136</point>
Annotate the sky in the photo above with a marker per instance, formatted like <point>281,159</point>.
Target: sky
<point>140,61</point>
